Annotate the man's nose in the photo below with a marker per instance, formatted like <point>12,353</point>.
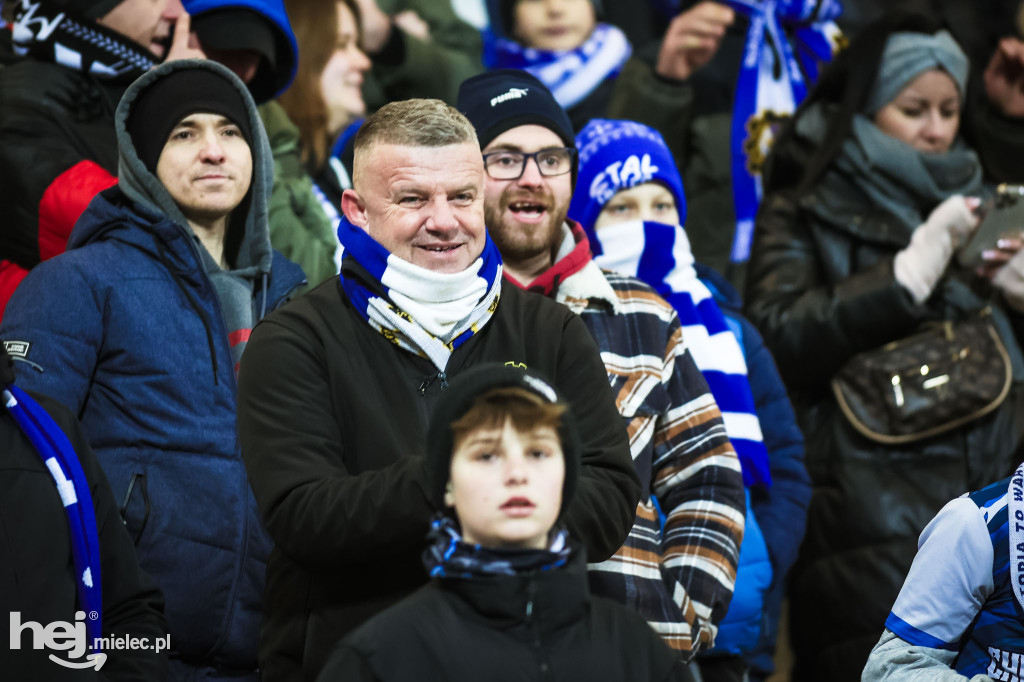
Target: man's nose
<point>212,150</point>
<point>442,217</point>
<point>531,176</point>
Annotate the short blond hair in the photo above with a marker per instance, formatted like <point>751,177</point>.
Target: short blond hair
<point>412,123</point>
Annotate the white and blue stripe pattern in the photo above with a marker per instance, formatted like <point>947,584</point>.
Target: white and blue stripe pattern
<point>570,75</point>
<point>59,457</point>
<point>425,312</point>
<point>786,44</point>
<point>660,256</point>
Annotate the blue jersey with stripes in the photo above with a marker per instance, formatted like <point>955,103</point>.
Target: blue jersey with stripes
<point>958,594</point>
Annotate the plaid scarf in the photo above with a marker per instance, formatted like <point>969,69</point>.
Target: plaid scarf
<point>660,256</point>
<point>77,43</point>
<point>449,556</point>
<point>570,75</point>
<point>60,459</point>
<point>428,313</point>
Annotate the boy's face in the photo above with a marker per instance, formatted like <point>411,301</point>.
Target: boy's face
<point>650,201</point>
<point>506,485</point>
<point>553,24</point>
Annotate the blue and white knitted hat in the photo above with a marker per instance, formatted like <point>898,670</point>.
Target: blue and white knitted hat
<point>616,155</point>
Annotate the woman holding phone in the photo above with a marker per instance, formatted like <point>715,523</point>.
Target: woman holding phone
<point>869,193</point>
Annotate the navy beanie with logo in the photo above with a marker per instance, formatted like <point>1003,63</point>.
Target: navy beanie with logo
<point>499,100</point>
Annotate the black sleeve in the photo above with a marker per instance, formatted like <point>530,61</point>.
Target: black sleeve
<point>604,506</point>
<point>317,511</point>
<point>346,664</point>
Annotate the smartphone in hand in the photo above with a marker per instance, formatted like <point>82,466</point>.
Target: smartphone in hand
<point>1002,215</point>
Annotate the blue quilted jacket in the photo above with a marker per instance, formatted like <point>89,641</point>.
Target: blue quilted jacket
<point>125,329</point>
<point>776,516</point>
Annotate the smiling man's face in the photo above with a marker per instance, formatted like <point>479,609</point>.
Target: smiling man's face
<point>525,216</point>
<point>423,204</point>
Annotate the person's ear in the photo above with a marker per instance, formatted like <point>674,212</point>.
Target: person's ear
<point>354,208</point>
<point>449,495</point>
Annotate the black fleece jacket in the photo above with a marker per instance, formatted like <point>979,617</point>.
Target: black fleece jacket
<point>333,418</point>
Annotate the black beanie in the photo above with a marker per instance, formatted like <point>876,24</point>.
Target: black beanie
<point>162,105</point>
<point>499,100</point>
<point>458,398</point>
<point>239,28</point>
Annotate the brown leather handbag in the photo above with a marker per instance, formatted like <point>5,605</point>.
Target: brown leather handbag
<point>926,384</point>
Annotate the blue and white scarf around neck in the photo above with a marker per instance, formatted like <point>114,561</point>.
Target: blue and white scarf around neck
<point>449,556</point>
<point>570,75</point>
<point>775,77</point>
<point>59,457</point>
<point>428,313</point>
<point>660,256</point>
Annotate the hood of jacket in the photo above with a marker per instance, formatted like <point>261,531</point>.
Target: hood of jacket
<point>151,198</point>
<point>273,10</point>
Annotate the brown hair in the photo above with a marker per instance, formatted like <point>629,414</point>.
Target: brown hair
<point>527,411</point>
<point>315,23</point>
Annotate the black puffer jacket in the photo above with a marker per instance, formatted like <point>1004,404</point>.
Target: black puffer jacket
<point>541,625</point>
<point>821,289</point>
<point>52,119</point>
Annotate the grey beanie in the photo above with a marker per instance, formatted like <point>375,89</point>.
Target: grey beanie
<point>906,56</point>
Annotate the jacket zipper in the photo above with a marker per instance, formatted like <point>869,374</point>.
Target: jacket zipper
<point>531,622</point>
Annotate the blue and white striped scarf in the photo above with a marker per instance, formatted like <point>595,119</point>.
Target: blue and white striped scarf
<point>54,448</point>
<point>428,313</point>
<point>660,256</point>
<point>570,75</point>
<point>774,79</point>
<point>449,556</point>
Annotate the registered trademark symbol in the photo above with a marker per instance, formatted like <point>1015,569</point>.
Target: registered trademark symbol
<point>93,615</point>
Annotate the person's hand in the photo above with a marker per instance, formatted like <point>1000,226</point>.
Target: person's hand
<point>376,26</point>
<point>413,24</point>
<point>184,43</point>
<point>920,265</point>
<point>1009,278</point>
<point>992,260</point>
<point>692,39</point>
<point>1004,78</point>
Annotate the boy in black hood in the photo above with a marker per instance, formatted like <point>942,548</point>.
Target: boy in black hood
<point>509,599</point>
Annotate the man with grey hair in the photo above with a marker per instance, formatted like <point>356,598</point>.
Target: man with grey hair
<point>335,388</point>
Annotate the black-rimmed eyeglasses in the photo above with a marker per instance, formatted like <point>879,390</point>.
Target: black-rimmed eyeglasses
<point>510,165</point>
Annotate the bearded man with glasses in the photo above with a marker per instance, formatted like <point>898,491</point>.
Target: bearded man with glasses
<point>679,574</point>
